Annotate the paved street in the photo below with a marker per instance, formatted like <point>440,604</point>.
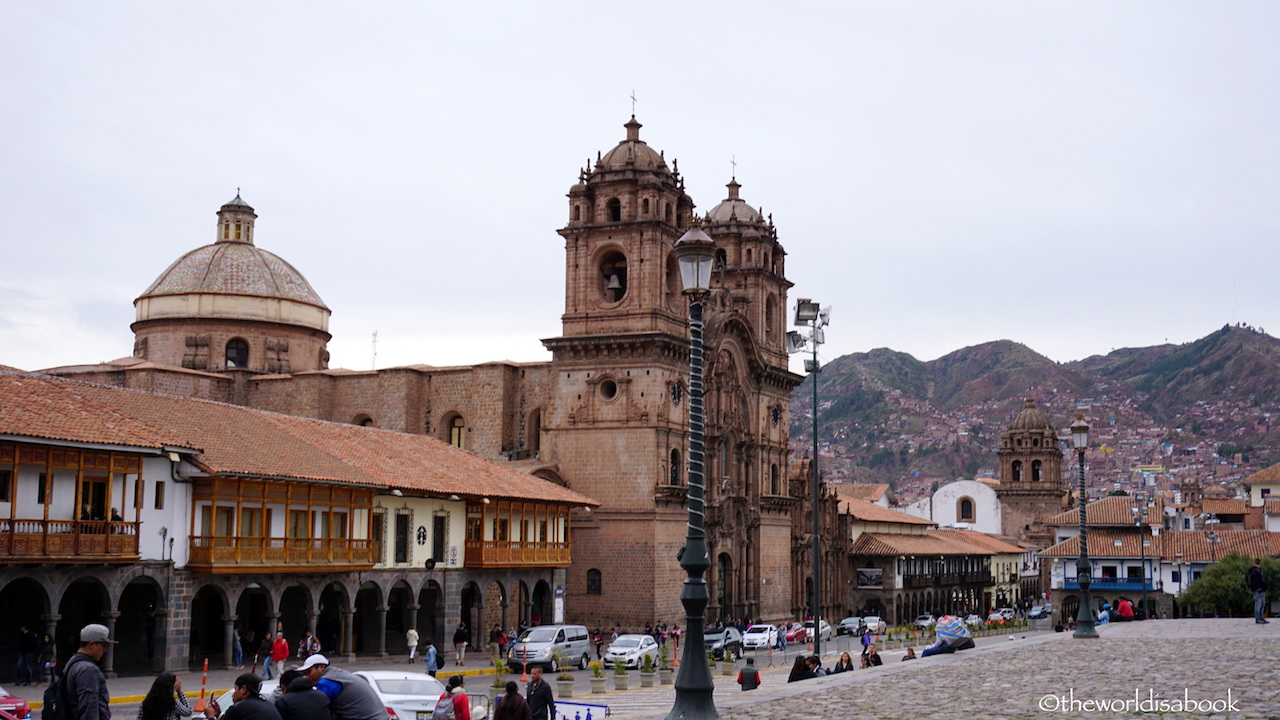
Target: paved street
<point>1041,675</point>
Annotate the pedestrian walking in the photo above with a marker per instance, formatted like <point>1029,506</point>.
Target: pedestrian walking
<point>431,657</point>
<point>47,660</point>
<point>1258,586</point>
<point>542,705</point>
<point>458,695</point>
<point>85,691</point>
<point>461,637</point>
<point>28,646</point>
<point>279,653</point>
<point>411,639</point>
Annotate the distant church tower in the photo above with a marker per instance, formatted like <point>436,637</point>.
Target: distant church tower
<point>1030,488</point>
<point>619,426</point>
<point>232,307</point>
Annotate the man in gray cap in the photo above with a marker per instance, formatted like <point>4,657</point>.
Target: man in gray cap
<point>85,687</point>
<point>350,697</point>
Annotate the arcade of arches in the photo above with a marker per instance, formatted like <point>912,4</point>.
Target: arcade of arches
<point>173,620</point>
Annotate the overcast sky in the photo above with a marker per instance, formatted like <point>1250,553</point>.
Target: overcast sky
<point>1075,176</point>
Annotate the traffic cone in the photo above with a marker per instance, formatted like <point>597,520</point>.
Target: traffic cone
<point>204,680</point>
<point>524,671</point>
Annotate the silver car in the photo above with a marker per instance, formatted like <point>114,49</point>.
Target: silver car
<point>413,696</point>
<point>632,650</point>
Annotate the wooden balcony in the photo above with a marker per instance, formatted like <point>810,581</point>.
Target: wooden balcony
<point>221,555</point>
<point>497,553</point>
<point>68,541</point>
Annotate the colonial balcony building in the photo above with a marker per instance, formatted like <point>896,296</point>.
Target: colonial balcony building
<point>182,524</point>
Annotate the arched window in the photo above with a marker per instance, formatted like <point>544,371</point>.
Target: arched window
<point>237,354</point>
<point>457,432</point>
<point>645,204</point>
<point>964,510</point>
<point>1017,471</point>
<point>613,276</point>
<point>774,488</point>
<point>595,585</point>
<point>363,420</point>
<point>577,213</point>
<point>1036,467</point>
<point>677,468</point>
<point>667,214</point>
<point>614,208</point>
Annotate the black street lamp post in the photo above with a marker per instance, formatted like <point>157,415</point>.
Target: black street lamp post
<point>695,254</point>
<point>1084,573</point>
<point>1139,519</point>
<point>809,314</point>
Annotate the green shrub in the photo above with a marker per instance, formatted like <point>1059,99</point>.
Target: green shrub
<point>597,669</point>
<point>619,667</point>
<point>647,665</point>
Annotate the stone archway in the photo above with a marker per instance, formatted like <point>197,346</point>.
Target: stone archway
<point>139,628</point>
<point>540,604</point>
<point>401,613</point>
<point>295,613</point>
<point>431,615</point>
<point>369,635</point>
<point>208,607</point>
<point>23,602</point>
<point>253,613</point>
<point>333,622</point>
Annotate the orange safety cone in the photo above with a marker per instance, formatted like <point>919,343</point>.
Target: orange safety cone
<point>204,680</point>
<point>524,671</point>
<point>675,654</point>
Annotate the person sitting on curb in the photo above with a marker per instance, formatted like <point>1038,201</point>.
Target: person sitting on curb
<point>749,676</point>
<point>872,658</point>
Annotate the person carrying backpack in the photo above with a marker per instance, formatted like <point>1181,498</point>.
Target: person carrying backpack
<point>79,691</point>
<point>454,703</point>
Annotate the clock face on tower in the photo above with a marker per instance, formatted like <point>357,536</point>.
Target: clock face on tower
<point>677,392</point>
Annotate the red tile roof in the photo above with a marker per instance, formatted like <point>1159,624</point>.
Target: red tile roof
<point>934,542</point>
<point>870,492</point>
<point>1265,475</point>
<point>870,512</point>
<point>1271,506</point>
<point>1222,506</point>
<point>1192,544</point>
<point>1110,510</point>
<point>234,440</point>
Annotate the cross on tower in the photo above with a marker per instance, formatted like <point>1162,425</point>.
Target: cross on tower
<point>733,160</point>
<point>633,103</point>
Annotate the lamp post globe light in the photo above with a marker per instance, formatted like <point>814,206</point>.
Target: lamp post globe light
<point>1084,573</point>
<point>809,314</point>
<point>695,255</point>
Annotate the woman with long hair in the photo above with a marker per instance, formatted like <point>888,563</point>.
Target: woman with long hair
<point>165,700</point>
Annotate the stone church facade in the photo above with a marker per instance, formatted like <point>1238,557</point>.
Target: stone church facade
<point>606,416</point>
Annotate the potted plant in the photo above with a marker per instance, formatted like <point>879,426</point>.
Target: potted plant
<point>647,671</point>
<point>666,675</point>
<point>620,674</point>
<point>564,680</point>
<point>499,675</point>
<point>728,664</point>
<point>597,677</point>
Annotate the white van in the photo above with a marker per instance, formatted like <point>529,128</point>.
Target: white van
<point>550,645</point>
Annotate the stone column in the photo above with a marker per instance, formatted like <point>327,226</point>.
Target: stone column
<point>348,634</point>
<point>313,617</point>
<point>109,618</point>
<point>382,630</point>
<point>228,641</point>
<point>162,640</point>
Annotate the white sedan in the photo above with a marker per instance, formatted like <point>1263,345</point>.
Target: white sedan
<point>413,696</point>
<point>824,630</point>
<point>632,650</point>
<point>760,636</point>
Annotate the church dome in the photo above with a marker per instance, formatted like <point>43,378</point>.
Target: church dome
<point>234,279</point>
<point>733,208</point>
<point>1031,418</point>
<point>228,268</point>
<point>632,153</point>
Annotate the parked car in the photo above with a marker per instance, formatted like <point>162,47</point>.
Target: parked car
<point>726,640</point>
<point>875,625</point>
<point>1001,615</point>
<point>14,705</point>
<point>760,636</point>
<point>1039,611</point>
<point>631,650</point>
<point>851,625</point>
<point>794,632</point>
<point>407,695</point>
<point>824,630</point>
<point>925,621</point>
<point>973,620</point>
<point>549,645</point>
